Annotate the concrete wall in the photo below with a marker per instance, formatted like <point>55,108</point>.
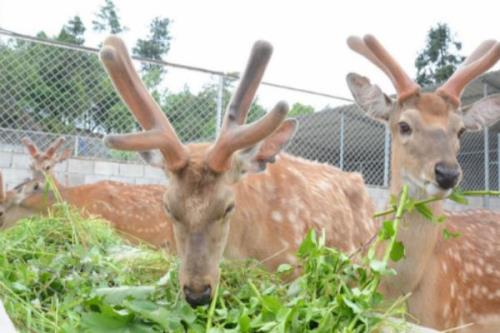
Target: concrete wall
<point>15,168</point>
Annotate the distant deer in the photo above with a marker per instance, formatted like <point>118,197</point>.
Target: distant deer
<point>215,209</point>
<point>453,282</point>
<point>134,210</point>
<point>10,210</point>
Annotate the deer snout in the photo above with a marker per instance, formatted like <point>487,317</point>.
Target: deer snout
<point>447,174</point>
<point>198,296</point>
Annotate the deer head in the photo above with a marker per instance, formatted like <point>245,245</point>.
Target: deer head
<point>199,199</point>
<point>425,127</point>
<point>43,162</point>
<point>11,209</point>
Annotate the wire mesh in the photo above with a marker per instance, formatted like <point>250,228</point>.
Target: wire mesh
<point>48,90</point>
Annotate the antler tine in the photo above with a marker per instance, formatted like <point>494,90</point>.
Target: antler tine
<point>358,45</point>
<point>453,88</point>
<point>404,85</point>
<point>479,52</point>
<point>2,191</point>
<point>240,137</point>
<point>159,133</point>
<point>242,98</point>
<point>31,146</point>
<point>234,135</point>
<point>54,146</point>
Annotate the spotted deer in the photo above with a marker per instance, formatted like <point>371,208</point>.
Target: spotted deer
<point>136,211</point>
<point>10,210</point>
<point>238,196</point>
<point>451,282</point>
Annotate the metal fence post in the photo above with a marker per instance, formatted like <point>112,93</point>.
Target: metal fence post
<point>218,116</point>
<point>498,160</point>
<point>486,199</point>
<point>75,149</point>
<point>387,138</point>
<point>341,141</point>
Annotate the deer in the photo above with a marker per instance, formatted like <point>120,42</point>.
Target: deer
<point>240,196</point>
<point>10,211</point>
<point>135,211</point>
<point>451,283</point>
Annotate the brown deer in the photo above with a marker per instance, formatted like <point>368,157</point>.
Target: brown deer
<point>136,211</point>
<point>451,282</point>
<point>214,209</point>
<point>10,210</point>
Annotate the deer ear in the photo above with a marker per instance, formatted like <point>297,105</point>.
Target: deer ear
<point>370,97</point>
<point>483,113</point>
<point>64,155</point>
<point>54,146</point>
<point>153,158</point>
<point>256,158</point>
<point>30,145</point>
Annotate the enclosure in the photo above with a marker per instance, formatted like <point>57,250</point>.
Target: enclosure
<point>49,89</point>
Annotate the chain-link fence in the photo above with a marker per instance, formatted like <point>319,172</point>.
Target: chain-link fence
<point>48,89</point>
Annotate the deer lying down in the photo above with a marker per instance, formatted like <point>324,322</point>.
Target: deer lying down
<point>454,282</point>
<point>10,200</point>
<point>134,210</point>
<point>228,196</point>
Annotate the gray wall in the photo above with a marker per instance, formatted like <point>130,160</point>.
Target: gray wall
<point>15,168</point>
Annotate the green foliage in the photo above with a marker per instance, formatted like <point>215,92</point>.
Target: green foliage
<point>57,90</point>
<point>62,273</point>
<point>156,44</point>
<point>107,19</point>
<point>299,109</point>
<point>440,58</point>
<point>447,234</point>
<point>73,32</point>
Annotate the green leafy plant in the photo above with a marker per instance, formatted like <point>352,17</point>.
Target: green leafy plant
<point>65,273</point>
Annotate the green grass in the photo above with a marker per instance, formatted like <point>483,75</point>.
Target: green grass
<point>63,273</point>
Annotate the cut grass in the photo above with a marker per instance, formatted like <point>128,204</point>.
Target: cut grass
<point>64,273</point>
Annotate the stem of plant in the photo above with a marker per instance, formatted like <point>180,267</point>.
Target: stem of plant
<point>432,199</point>
<point>399,213</point>
<point>211,310</point>
<point>400,209</point>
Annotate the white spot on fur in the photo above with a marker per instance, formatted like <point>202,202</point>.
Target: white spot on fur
<point>453,288</point>
<point>324,185</point>
<point>277,216</point>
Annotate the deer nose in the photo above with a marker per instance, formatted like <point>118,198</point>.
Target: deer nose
<point>447,175</point>
<point>196,298</point>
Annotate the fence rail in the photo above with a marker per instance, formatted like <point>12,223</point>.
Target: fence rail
<point>48,89</point>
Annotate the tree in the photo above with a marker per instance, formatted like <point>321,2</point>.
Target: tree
<point>73,32</point>
<point>440,56</point>
<point>107,19</point>
<point>156,45</point>
<point>299,109</point>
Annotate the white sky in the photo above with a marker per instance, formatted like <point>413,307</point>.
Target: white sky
<point>308,36</point>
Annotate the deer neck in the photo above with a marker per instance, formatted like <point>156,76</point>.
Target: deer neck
<point>418,235</point>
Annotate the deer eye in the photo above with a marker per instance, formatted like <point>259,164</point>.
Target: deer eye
<point>170,213</point>
<point>460,132</point>
<point>404,128</point>
<point>229,209</point>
